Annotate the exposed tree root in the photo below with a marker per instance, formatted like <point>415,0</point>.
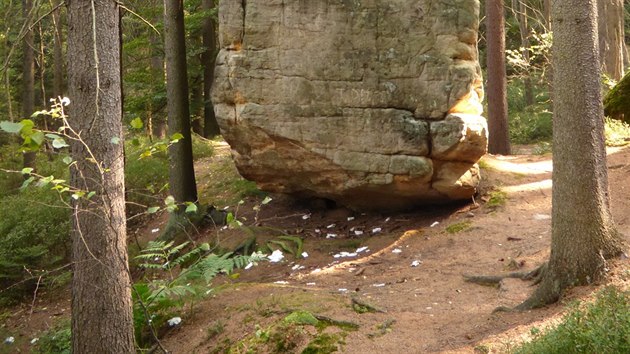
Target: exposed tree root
<point>494,280</point>
<point>536,276</point>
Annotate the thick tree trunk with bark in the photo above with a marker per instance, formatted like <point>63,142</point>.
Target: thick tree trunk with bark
<point>583,232</point>
<point>182,174</point>
<point>611,37</point>
<point>28,76</point>
<point>498,135</point>
<point>102,320</point>
<point>210,126</point>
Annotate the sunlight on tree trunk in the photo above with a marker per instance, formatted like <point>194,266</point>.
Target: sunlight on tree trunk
<point>498,139</point>
<point>583,233</point>
<point>102,320</point>
<point>611,37</point>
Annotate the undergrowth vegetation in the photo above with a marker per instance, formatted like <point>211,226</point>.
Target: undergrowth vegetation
<point>600,327</point>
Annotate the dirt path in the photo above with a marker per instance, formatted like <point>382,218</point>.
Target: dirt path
<point>425,308</point>
<point>410,272</point>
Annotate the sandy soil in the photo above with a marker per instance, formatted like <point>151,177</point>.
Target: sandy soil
<point>412,271</point>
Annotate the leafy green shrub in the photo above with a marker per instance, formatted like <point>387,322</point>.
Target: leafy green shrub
<point>617,132</point>
<point>11,159</point>
<point>34,231</point>
<point>601,327</point>
<point>56,341</point>
<point>202,147</point>
<point>187,277</point>
<point>146,179</point>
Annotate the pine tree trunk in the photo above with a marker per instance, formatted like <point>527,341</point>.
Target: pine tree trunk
<point>583,232</point>
<point>498,134</point>
<point>102,320</point>
<point>181,171</point>
<point>210,126</point>
<point>28,77</point>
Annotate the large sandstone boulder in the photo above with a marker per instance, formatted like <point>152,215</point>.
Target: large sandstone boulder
<point>371,103</point>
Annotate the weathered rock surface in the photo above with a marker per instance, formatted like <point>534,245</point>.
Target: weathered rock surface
<point>371,103</point>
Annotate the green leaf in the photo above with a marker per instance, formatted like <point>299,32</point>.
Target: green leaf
<point>266,200</point>
<point>53,136</point>
<point>67,160</point>
<point>59,143</point>
<point>135,142</point>
<point>176,137</point>
<point>137,123</point>
<point>115,140</point>
<point>27,182</point>
<point>91,194</point>
<point>38,138</point>
<point>152,210</point>
<point>11,127</point>
<point>27,170</point>
<point>229,218</point>
<point>191,208</point>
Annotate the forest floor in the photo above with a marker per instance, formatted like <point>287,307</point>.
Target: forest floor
<point>403,293</point>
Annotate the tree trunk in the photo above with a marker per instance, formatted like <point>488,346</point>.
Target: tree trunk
<point>181,171</point>
<point>499,139</point>
<point>210,126</point>
<point>102,320</point>
<point>57,52</point>
<point>583,232</point>
<point>611,37</point>
<point>28,76</point>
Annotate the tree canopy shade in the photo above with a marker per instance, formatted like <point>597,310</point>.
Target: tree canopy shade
<point>102,320</point>
<point>583,232</point>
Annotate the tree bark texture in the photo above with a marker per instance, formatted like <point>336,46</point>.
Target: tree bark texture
<point>611,37</point>
<point>102,320</point>
<point>181,171</point>
<point>28,76</point>
<point>583,232</point>
<point>498,139</point>
<point>210,127</point>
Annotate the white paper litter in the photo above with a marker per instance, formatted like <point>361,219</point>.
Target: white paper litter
<point>249,265</point>
<point>305,217</point>
<point>358,232</point>
<point>310,284</point>
<point>281,282</point>
<point>388,219</point>
<point>331,235</point>
<point>361,249</point>
<point>345,254</point>
<point>350,218</point>
<point>9,340</point>
<point>304,255</point>
<point>343,290</point>
<point>330,226</point>
<point>376,230</point>
<point>435,223</point>
<point>396,250</point>
<point>174,321</point>
<point>276,256</point>
<point>155,230</point>
<point>416,263</point>
<point>34,340</point>
<point>380,285</point>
